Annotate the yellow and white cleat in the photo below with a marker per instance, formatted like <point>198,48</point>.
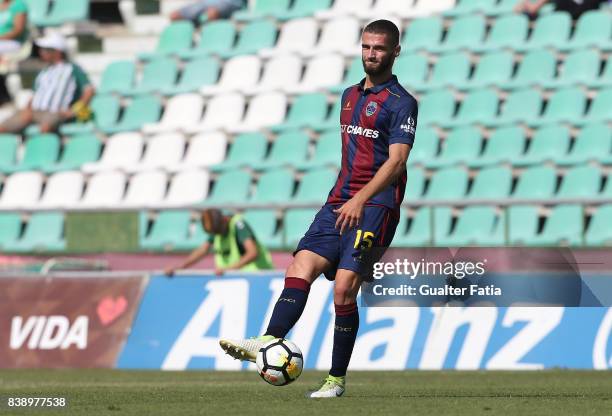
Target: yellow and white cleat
<point>331,387</point>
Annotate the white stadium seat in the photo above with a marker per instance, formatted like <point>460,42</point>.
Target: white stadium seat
<point>181,110</point>
<point>296,35</point>
<point>22,190</point>
<point>388,7</point>
<point>104,190</point>
<point>121,151</point>
<point>63,190</point>
<point>322,72</point>
<point>338,35</point>
<point>238,73</point>
<point>278,72</point>
<point>205,149</point>
<point>428,7</point>
<point>162,150</point>
<point>188,187</point>
<point>221,112</point>
<point>265,110</point>
<point>346,8</point>
<point>146,189</point>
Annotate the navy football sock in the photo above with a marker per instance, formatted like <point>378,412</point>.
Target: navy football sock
<point>345,333</point>
<point>289,307</point>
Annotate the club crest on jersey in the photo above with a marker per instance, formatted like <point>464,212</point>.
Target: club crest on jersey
<point>371,108</point>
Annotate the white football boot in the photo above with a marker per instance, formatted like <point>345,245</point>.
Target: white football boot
<point>244,349</point>
<point>331,387</point>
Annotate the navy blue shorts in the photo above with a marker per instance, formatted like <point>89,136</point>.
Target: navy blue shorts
<point>356,249</point>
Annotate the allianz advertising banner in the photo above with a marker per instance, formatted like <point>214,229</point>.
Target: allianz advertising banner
<point>180,321</point>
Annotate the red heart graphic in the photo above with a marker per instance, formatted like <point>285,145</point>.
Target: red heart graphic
<point>110,309</point>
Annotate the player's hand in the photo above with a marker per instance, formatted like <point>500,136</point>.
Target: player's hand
<point>169,271</point>
<point>219,271</point>
<point>349,214</point>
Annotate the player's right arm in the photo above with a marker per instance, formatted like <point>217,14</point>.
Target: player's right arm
<point>195,256</point>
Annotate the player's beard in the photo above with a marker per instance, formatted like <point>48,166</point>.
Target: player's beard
<point>384,65</point>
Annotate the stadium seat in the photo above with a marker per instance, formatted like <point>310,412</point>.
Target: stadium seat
<point>289,148</point>
<point>187,187</point>
<point>599,232</point>
<point>492,183</point>
<point>246,148</point>
<point>436,107</point>
<point>327,152</point>
<point>43,232</point>
<point>261,9</point>
<point>522,224</point>
<point>415,184</point>
<point>321,72</point>
<point>475,226</point>
<point>162,152</point>
<point>169,228</point>
<point>428,8</point>
<point>387,8</point>
<point>40,151</point>
<point>493,69</point>
<point>120,152</point>
<point>594,143</point>
<point>478,106</point>
<point>579,67</point>
<point>607,191</point>
<point>338,35</point>
<point>21,190</point>
<point>196,74</point>
<point>141,110</point>
<point>580,182</point>
<point>306,110</point>
<point>593,29</point>
<point>605,79</point>
<point>146,189</point>
<point>274,186</point>
<point>520,106</point>
<point>221,112</point>
<point>238,73</point>
<point>447,184</point>
<point>503,7</point>
<point>538,182</point>
<point>507,32</point>
<point>62,12</point>
<point>104,190</point>
<point>157,74</point>
<point>63,190</point>
<point>423,34</point>
<point>231,187</point>
<point>254,36</point>
<point>37,11</point>
<point>465,7</point>
<point>181,110</point>
<point>105,109</point>
<point>460,146</point>
<point>463,33</point>
<point>196,236</point>
<point>411,70</point>
<point>296,35</point>
<point>278,72</point>
<point>78,150</point>
<point>599,110</point>
<point>295,224</point>
<point>345,8</point>
<point>9,144</point>
<point>176,38</point>
<point>300,9</point>
<point>549,143</point>
<point>215,37</point>
<point>419,231</point>
<point>118,76</point>
<point>265,110</point>
<point>205,149</point>
<point>425,146</point>
<point>313,186</point>
<point>10,228</point>
<point>332,121</point>
<point>564,226</point>
<point>263,223</point>
<point>564,106</point>
<point>450,69</point>
<point>505,145</point>
<point>551,30</point>
<point>537,68</point>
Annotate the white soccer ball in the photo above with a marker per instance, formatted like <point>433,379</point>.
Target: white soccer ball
<point>279,362</point>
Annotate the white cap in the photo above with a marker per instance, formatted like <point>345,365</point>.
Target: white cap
<point>53,41</point>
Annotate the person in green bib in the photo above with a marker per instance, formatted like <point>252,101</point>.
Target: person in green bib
<point>234,243</point>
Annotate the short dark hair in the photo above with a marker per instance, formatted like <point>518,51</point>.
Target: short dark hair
<point>385,27</point>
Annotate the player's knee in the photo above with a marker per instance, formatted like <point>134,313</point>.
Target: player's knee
<point>301,271</point>
<point>344,293</point>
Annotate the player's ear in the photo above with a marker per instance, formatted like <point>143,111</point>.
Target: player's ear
<point>397,51</point>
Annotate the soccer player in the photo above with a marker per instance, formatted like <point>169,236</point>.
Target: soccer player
<point>357,223</point>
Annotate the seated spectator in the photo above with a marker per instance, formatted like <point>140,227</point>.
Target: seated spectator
<point>573,7</point>
<point>213,9</point>
<point>13,32</point>
<point>61,90</point>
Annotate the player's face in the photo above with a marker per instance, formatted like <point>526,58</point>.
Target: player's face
<point>377,53</point>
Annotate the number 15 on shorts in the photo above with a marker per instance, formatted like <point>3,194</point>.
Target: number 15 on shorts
<point>364,239</point>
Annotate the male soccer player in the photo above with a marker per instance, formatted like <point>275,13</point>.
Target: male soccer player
<point>357,223</point>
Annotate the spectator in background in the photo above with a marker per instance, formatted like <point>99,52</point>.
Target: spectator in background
<point>573,7</point>
<point>61,90</point>
<point>13,32</point>
<point>213,9</point>
<point>234,244</point>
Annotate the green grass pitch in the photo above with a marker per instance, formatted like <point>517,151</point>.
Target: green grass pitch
<point>114,392</point>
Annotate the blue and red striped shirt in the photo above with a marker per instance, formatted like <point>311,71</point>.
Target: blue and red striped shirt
<point>370,121</point>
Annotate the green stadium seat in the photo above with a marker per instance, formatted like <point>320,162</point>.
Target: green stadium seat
<point>538,182</point>
<point>37,11</point>
<point>436,107</point>
<point>415,184</point>
<point>520,106</point>
<point>10,228</point>
<point>599,110</point>
<point>332,121</point>
<point>313,186</point>
<point>494,68</point>
<point>448,184</point>
<point>177,37</point>
<point>522,225</point>
<point>231,187</point>
<point>196,74</point>
<point>462,145</point>
<point>423,34</point>
<point>77,151</point>
<point>537,68</point>
<point>289,148</point>
<point>41,151</point>
<point>105,109</point>
<point>564,106</point>
<point>419,232</point>
<point>9,144</point>
<point>118,76</point>
<point>599,232</point>
<point>551,30</point>
<point>302,8</point>
<point>580,67</point>
<point>169,229</point>
<point>477,107</point>
<point>507,32</point>
<point>295,225</point>
<point>411,70</point>
<point>463,33</point>
<point>470,7</point>
<point>196,236</point>
<point>425,146</point>
<point>263,222</point>
<point>505,145</point>
<point>492,183</point>
<point>475,226</point>
<point>564,226</point>
<point>549,143</point>
<point>580,182</point>
<point>327,153</point>
<point>158,73</point>
<point>254,36</point>
<point>607,191</point>
<point>43,232</point>
<point>353,75</point>
<point>594,143</point>
<point>247,148</point>
<point>451,69</point>
<point>503,7</point>
<point>605,79</point>
<point>261,9</point>
<point>141,110</point>
<point>306,110</point>
<point>215,37</point>
<point>62,12</point>
<point>593,29</point>
<point>273,186</point>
